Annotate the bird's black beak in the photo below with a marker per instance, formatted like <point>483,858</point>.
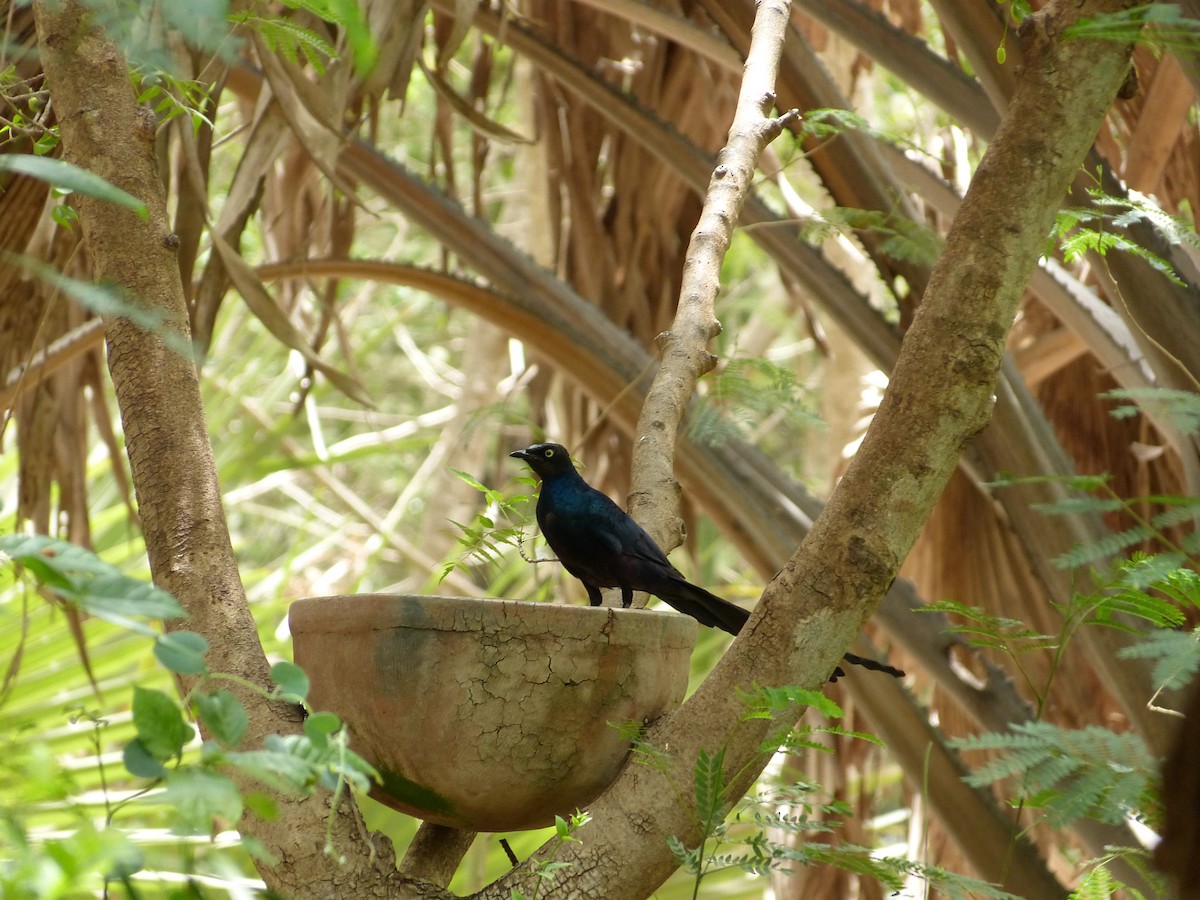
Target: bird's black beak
<point>520,454</point>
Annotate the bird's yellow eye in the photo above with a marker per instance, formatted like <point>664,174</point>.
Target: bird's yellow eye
<point>548,453</point>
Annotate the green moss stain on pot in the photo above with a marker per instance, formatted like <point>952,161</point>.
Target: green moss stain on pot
<point>399,788</point>
<point>399,656</point>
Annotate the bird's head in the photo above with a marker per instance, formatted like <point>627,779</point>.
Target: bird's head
<point>546,460</point>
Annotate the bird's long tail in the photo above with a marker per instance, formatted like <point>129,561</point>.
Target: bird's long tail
<point>709,609</point>
<point>867,663</point>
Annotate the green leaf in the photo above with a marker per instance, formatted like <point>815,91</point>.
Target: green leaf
<point>710,788</point>
<point>224,716</point>
<point>363,49</point>
<point>201,795</point>
<point>689,860</point>
<point>291,40</point>
<point>1169,27</point>
<point>1176,655</point>
<point>182,652</point>
<point>1079,505</point>
<point>1069,772</point>
<point>1108,545</point>
<point>293,683</point>
<point>79,576</point>
<point>262,805</point>
<point>159,723</point>
<point>1179,407</point>
<point>45,144</point>
<point>139,762</point>
<point>770,701</point>
<point>319,726</point>
<point>64,216</point>
<point>276,767</point>
<point>108,300</point>
<point>116,595</point>
<point>67,175</point>
<point>469,479</point>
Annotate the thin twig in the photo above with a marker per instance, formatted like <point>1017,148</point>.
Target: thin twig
<point>531,559</point>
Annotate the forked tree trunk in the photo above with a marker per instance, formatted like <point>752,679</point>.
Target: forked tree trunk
<point>939,398</point>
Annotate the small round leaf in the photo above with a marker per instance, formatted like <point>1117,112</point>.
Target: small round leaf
<point>293,683</point>
<point>182,652</point>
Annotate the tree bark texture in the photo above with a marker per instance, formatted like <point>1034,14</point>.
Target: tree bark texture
<point>940,396</point>
<point>167,441</point>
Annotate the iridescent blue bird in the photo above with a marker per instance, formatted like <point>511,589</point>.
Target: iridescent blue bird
<point>598,543</point>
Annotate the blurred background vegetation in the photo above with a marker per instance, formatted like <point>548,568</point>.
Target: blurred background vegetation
<point>388,171</point>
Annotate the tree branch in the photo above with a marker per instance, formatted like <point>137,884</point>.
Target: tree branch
<point>157,389</point>
<point>653,499</point>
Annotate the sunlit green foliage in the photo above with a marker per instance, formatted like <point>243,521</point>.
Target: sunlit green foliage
<point>166,771</point>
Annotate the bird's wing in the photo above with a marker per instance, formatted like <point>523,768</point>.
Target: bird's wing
<point>637,561</point>
<point>577,525</point>
<point>643,546</point>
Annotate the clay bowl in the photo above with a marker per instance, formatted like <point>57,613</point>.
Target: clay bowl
<point>489,715</point>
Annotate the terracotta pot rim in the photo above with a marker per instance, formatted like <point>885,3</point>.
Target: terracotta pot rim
<point>345,614</point>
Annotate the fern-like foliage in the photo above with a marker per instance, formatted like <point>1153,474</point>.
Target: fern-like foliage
<point>980,629</point>
<point>709,797</point>
<point>747,394</point>
<point>138,28</point>
<point>1075,241</point>
<point>709,789</point>
<point>643,752</point>
<point>1182,408</point>
<point>1138,208</point>
<point>706,425</point>
<point>1176,656</point>
<point>829,122</point>
<point>1160,25</point>
<point>770,702</point>
<point>1079,230</point>
<point>1175,590</point>
<point>902,239</point>
<point>1011,637</point>
<point>483,541</point>
<point>1111,544</point>
<point>298,43</point>
<point>351,17</point>
<point>1071,773</point>
<point>1163,572</point>
<point>1099,884</point>
<point>749,841</point>
<point>170,97</point>
<point>1144,594</point>
<point>291,40</point>
<point>783,703</point>
<point>1093,494</point>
